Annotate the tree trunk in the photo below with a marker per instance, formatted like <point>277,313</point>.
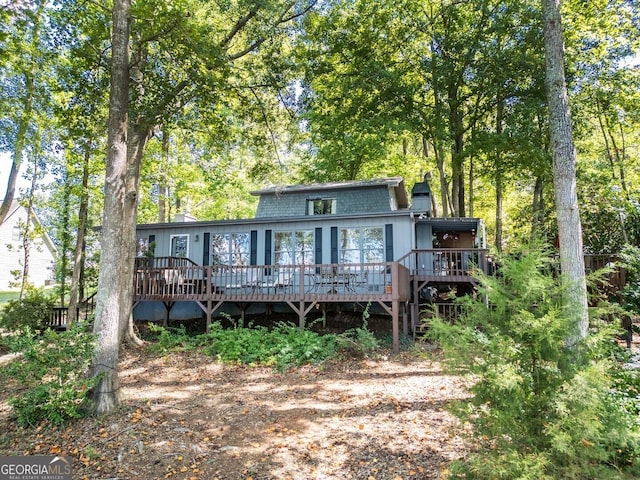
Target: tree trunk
<point>137,141</point>
<point>471,176</point>
<point>27,236</point>
<point>18,151</point>
<point>537,218</point>
<point>110,291</point>
<point>442,175</point>
<point>564,173</point>
<point>162,187</point>
<point>27,112</point>
<point>425,154</point>
<point>78,255</point>
<point>457,167</point>
<point>65,242</point>
<point>499,173</point>
<point>606,133</point>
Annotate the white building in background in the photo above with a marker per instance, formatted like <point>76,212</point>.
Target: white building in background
<point>42,255</point>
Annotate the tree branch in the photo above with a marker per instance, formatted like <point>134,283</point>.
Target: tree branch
<point>240,24</point>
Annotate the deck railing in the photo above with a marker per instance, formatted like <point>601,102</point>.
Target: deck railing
<point>58,316</point>
<point>446,262</point>
<point>322,282</point>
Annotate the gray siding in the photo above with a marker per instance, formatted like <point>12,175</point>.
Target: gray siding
<point>402,233</point>
<point>348,201</point>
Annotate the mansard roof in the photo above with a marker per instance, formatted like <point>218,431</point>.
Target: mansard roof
<point>395,186</point>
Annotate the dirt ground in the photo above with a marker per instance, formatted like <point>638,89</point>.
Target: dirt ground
<point>184,416</point>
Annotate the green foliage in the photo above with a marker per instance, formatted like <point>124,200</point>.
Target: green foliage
<point>282,346</point>
<point>359,340</point>
<point>170,339</point>
<point>631,291</point>
<point>32,311</point>
<point>539,410</point>
<point>52,372</point>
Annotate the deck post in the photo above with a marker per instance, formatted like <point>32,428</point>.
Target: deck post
<point>405,320</point>
<point>395,327</point>
<point>167,306</point>
<point>301,315</point>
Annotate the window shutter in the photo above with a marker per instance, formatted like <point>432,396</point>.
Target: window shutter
<point>388,242</point>
<point>267,251</point>
<point>318,257</point>
<point>206,248</point>
<point>334,244</point>
<point>253,247</point>
<point>152,245</point>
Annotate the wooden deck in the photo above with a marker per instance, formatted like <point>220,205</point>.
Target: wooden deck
<point>446,265</point>
<point>301,287</point>
<point>395,286</point>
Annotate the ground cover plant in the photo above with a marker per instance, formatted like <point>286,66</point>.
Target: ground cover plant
<point>283,346</point>
<point>539,409</point>
<point>51,366</point>
<point>51,369</point>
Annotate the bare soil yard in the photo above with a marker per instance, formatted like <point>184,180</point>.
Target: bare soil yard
<point>184,416</point>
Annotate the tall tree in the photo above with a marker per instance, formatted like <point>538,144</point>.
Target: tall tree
<point>111,282</point>
<point>21,90</point>
<point>564,171</point>
<point>81,114</point>
<point>179,58</point>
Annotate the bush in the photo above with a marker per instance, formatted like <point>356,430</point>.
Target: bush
<point>631,291</point>
<point>282,346</point>
<point>170,339</point>
<point>539,409</point>
<point>52,371</point>
<point>31,312</point>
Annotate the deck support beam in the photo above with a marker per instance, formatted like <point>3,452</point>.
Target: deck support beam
<point>209,310</point>
<point>301,310</point>
<point>167,306</point>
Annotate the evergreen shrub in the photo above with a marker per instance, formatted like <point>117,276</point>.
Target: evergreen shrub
<point>32,311</point>
<point>539,409</point>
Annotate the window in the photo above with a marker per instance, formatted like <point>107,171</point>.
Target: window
<point>321,206</point>
<point>230,249</point>
<point>179,246</point>
<point>362,245</point>
<point>16,234</point>
<point>293,248</point>
<point>142,248</point>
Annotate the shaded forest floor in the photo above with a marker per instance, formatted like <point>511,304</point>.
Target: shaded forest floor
<point>184,416</point>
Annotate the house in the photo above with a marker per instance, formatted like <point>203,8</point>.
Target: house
<point>309,246</point>
<point>42,255</point>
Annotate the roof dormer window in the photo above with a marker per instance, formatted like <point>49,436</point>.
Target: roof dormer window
<point>321,206</point>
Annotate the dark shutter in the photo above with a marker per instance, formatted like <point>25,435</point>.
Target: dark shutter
<point>318,258</point>
<point>388,242</point>
<point>152,245</point>
<point>253,247</point>
<point>267,247</point>
<point>334,244</point>
<point>206,248</point>
<point>267,251</point>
